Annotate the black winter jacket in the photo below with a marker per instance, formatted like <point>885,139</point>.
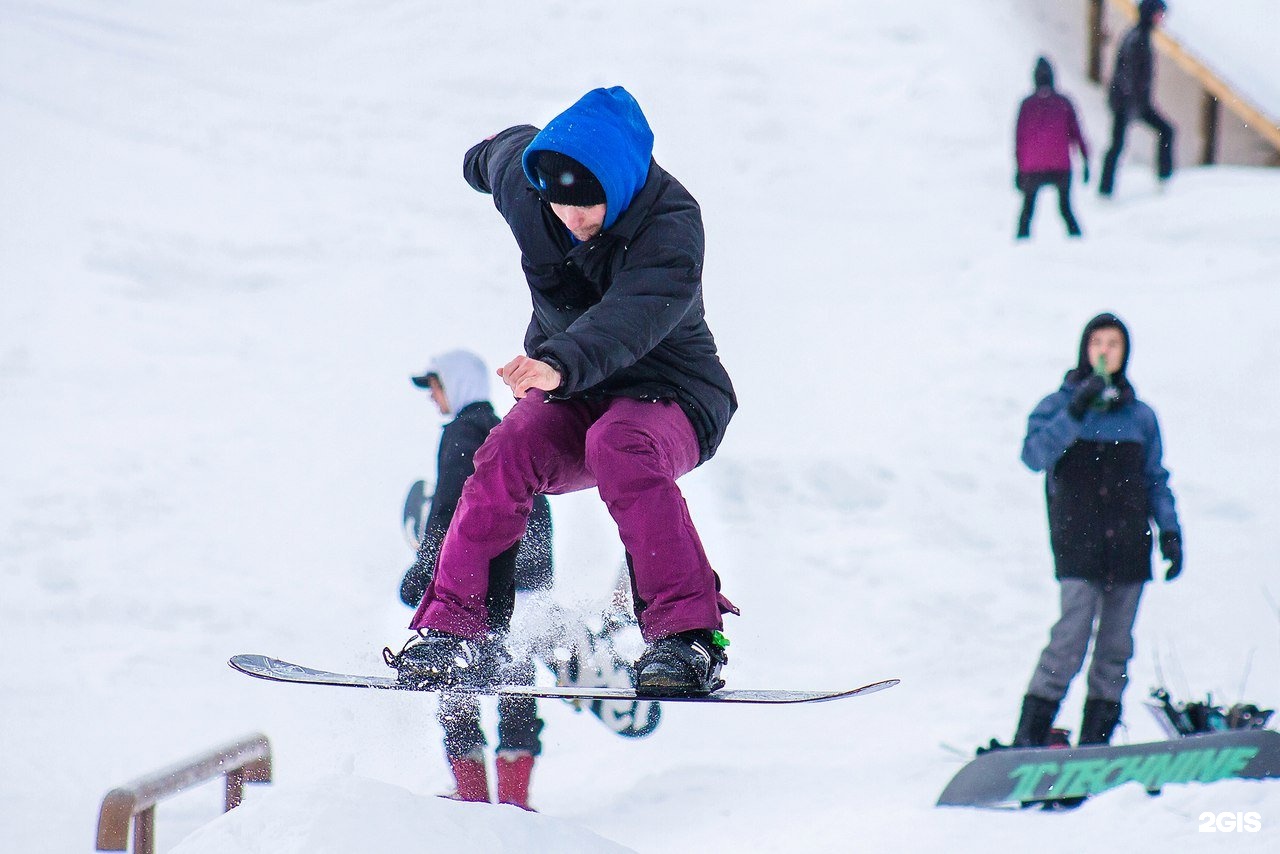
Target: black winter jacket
<point>459,441</point>
<point>1130,90</point>
<point>622,314</point>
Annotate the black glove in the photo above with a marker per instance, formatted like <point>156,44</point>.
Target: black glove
<point>1017,181</point>
<point>1087,392</point>
<point>1171,550</point>
<point>1084,172</point>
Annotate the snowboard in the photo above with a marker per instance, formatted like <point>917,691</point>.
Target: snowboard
<point>265,667</point>
<point>1025,776</point>
<point>417,505</point>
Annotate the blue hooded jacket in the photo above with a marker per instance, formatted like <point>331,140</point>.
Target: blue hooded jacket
<point>605,131</point>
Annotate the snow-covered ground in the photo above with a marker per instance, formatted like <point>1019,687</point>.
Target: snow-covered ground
<point>231,231</point>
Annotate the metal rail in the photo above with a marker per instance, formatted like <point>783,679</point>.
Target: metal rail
<point>247,760</point>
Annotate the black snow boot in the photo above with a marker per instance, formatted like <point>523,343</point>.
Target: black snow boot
<point>1037,718</point>
<point>434,659</point>
<point>682,665</point>
<point>1100,720</point>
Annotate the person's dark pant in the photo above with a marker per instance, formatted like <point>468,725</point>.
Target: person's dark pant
<point>1119,127</point>
<point>1031,184</point>
<point>519,726</point>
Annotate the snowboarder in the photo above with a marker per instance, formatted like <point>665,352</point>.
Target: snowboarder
<point>459,386</point>
<point>1100,449</point>
<point>619,387</point>
<point>1047,128</point>
<point>1130,96</point>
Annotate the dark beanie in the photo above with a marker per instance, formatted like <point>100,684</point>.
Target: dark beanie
<point>564,181</point>
<point>1102,321</point>
<point>1148,9</point>
<point>1043,73</point>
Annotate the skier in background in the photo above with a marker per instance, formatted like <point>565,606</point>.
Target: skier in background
<point>1130,96</point>
<point>1047,128</point>
<point>619,387</point>
<point>1099,446</point>
<point>459,386</point>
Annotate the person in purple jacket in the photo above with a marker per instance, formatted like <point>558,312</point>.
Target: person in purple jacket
<point>619,387</point>
<point>1047,128</point>
<point>1105,483</point>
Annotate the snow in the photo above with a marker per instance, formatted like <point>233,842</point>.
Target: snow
<point>1239,39</point>
<point>234,230</point>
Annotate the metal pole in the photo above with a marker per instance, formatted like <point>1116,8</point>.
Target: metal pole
<point>144,832</point>
<point>1209,128</point>
<point>1095,35</point>
<point>235,789</point>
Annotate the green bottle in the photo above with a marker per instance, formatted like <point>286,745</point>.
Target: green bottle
<point>1103,401</point>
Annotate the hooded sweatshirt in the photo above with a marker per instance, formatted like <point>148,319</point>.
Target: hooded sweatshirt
<point>606,132</point>
<point>1047,127</point>
<point>464,377</point>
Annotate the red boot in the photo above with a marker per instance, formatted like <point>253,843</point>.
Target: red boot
<point>514,769</point>
<point>471,777</point>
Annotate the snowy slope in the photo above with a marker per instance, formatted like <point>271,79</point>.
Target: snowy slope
<point>234,230</point>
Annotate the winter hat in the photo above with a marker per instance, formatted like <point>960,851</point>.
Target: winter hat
<point>606,131</point>
<point>1103,321</point>
<point>1148,9</point>
<point>564,181</point>
<point>463,376</point>
<point>1043,74</point>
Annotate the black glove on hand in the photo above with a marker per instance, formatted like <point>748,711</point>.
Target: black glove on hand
<point>1085,395</point>
<point>1084,172</point>
<point>1171,550</point>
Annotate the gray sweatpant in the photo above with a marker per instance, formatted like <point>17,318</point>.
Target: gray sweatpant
<point>1083,603</point>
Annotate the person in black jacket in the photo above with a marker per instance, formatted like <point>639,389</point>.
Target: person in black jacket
<point>619,387</point>
<point>1130,96</point>
<point>1105,482</point>
<point>459,386</point>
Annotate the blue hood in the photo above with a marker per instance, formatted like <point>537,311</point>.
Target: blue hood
<point>606,132</point>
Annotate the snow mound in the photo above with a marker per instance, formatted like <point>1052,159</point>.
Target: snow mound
<point>345,814</point>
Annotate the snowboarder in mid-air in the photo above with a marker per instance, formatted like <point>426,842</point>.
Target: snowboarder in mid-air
<point>619,387</point>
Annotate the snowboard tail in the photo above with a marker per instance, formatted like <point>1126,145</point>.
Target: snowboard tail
<point>1042,775</point>
<point>275,670</point>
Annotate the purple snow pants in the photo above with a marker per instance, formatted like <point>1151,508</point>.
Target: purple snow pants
<point>633,451</point>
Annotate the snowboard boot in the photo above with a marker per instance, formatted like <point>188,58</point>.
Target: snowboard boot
<point>435,659</point>
<point>1100,720</point>
<point>1035,722</point>
<point>514,769</point>
<point>471,779</point>
<point>682,665</point>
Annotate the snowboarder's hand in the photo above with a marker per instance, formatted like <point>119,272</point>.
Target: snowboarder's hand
<point>1084,172</point>
<point>1171,550</point>
<point>1085,395</point>
<point>523,373</point>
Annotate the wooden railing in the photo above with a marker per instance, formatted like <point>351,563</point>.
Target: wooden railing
<point>246,760</point>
